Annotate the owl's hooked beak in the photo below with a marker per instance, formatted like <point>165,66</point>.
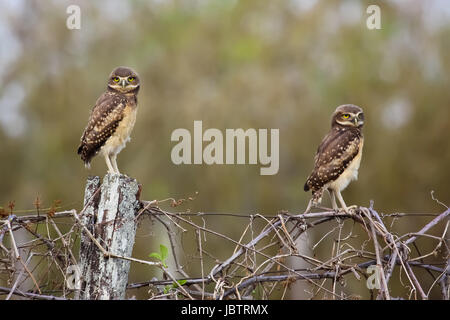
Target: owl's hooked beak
<point>123,83</point>
<point>358,122</point>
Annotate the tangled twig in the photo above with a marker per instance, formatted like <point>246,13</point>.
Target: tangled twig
<point>264,257</point>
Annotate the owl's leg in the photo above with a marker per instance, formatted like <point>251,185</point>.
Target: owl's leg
<point>308,208</point>
<point>341,200</point>
<point>333,199</point>
<point>108,164</point>
<point>114,163</point>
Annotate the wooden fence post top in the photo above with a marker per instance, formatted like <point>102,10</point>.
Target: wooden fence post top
<point>109,215</point>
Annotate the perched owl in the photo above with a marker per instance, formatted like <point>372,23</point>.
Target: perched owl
<point>112,119</point>
<point>338,157</point>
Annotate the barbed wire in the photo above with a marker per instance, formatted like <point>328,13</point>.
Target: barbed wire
<point>262,262</point>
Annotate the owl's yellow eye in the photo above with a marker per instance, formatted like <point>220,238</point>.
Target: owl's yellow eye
<point>131,79</point>
<point>116,79</point>
<point>346,116</point>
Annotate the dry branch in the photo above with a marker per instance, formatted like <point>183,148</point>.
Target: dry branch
<point>258,261</point>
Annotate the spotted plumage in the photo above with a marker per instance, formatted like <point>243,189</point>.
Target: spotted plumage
<point>338,157</point>
<point>112,119</point>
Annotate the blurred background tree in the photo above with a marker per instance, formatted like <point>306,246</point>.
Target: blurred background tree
<point>232,64</point>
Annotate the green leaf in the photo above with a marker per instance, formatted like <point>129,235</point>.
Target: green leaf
<point>179,283</point>
<point>164,252</point>
<point>162,255</point>
<point>155,255</point>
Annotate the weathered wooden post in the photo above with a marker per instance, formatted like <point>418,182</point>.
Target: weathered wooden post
<point>109,215</point>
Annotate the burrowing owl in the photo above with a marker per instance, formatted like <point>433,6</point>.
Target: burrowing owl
<point>338,157</point>
<point>112,119</point>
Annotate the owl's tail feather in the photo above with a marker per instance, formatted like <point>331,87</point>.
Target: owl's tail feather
<point>80,149</point>
<point>306,187</point>
<point>85,156</point>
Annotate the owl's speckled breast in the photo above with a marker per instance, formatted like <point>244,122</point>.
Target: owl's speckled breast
<point>349,174</point>
<point>122,134</point>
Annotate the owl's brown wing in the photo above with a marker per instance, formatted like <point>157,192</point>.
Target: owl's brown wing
<point>337,150</point>
<point>103,121</point>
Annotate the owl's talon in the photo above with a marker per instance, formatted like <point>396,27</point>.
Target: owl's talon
<point>350,210</point>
